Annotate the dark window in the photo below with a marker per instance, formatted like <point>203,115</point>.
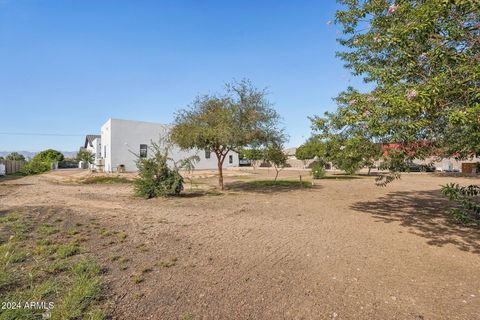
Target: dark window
<point>143,150</point>
<point>207,153</point>
<point>230,159</point>
<point>104,151</point>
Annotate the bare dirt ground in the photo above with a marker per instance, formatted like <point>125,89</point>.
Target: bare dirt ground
<point>344,249</point>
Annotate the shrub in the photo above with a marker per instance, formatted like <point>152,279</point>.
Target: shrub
<point>318,171</point>
<point>468,202</point>
<point>155,176</point>
<point>36,167</point>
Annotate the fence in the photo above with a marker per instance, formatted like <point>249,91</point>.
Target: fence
<point>13,166</point>
<point>470,167</point>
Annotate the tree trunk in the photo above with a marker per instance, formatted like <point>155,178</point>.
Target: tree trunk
<point>220,175</point>
<point>276,174</point>
<point>220,159</point>
<point>369,168</point>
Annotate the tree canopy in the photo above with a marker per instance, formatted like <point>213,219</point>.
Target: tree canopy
<point>85,156</point>
<point>15,156</point>
<point>241,117</point>
<point>48,155</point>
<point>306,151</point>
<point>423,61</point>
<point>255,155</point>
<point>274,154</point>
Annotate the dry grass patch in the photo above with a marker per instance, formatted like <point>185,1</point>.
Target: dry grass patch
<point>36,267</point>
<point>105,180</point>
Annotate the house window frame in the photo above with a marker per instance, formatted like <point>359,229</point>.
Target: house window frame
<point>143,150</point>
<point>208,153</point>
<point>230,159</point>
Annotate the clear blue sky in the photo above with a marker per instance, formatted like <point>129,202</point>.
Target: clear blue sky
<point>68,66</point>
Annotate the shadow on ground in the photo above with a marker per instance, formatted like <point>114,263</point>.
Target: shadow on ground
<point>197,194</point>
<point>269,186</point>
<point>342,177</point>
<point>424,212</point>
<point>10,177</point>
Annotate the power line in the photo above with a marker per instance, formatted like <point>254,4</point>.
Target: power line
<point>40,134</point>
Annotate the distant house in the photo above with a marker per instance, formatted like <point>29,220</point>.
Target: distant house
<point>121,141</point>
<point>449,164</point>
<point>94,145</point>
<point>290,153</point>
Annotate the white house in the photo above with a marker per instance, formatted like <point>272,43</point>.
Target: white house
<point>94,145</point>
<point>122,140</point>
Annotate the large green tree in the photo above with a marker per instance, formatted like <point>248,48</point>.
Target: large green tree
<point>348,147</point>
<point>49,155</point>
<point>241,117</point>
<point>422,59</point>
<point>311,149</point>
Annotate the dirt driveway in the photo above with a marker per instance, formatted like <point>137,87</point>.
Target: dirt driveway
<point>344,249</point>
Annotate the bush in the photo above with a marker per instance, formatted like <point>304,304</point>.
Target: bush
<point>36,167</point>
<point>318,171</point>
<point>468,202</point>
<point>155,177</point>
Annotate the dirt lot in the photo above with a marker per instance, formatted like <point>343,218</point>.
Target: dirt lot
<point>344,249</point>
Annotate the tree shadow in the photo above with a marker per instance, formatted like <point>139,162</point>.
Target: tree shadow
<point>10,177</point>
<point>269,186</point>
<point>424,213</point>
<point>340,177</point>
<point>197,194</point>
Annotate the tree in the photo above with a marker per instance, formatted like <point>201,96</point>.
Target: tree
<point>85,156</point>
<point>242,117</point>
<point>158,175</point>
<point>48,155</point>
<point>309,150</point>
<point>350,155</point>
<point>422,59</point>
<point>15,156</point>
<point>276,157</point>
<point>253,154</point>
<point>348,146</point>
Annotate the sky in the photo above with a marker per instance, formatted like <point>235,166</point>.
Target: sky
<point>68,66</point>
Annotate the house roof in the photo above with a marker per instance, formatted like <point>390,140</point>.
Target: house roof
<point>89,139</point>
<point>290,151</point>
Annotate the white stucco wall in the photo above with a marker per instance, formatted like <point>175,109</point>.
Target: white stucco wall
<point>121,140</point>
<point>95,148</point>
<point>106,152</point>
